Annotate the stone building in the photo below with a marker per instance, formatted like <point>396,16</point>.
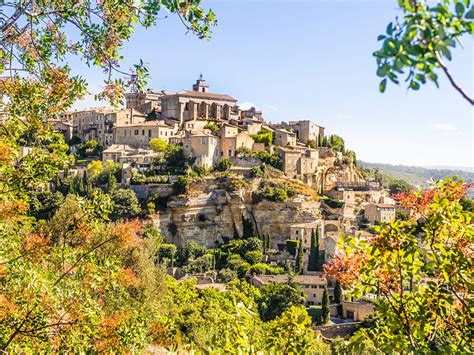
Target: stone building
<point>64,127</point>
<point>232,139</point>
<point>203,146</point>
<point>89,124</point>
<point>144,102</point>
<point>311,285</point>
<point>357,311</point>
<point>303,231</point>
<point>379,212</point>
<point>188,105</point>
<point>140,134</point>
<point>307,130</point>
<point>284,138</point>
<point>122,153</point>
<point>298,162</point>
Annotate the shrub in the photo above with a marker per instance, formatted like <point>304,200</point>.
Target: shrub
<point>158,145</point>
<point>264,136</point>
<point>236,263</point>
<point>201,170</point>
<point>273,191</point>
<point>181,185</point>
<point>334,203</point>
<point>265,269</point>
<point>224,165</point>
<point>227,275</point>
<point>256,172</point>
<point>212,126</point>
<point>125,204</point>
<point>271,159</point>
<point>253,257</point>
<point>236,185</point>
<point>167,252</point>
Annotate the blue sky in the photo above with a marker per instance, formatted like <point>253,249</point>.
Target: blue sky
<point>313,60</point>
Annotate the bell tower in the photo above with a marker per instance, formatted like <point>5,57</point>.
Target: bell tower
<point>201,85</point>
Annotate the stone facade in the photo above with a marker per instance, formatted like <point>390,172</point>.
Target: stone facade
<point>284,138</point>
<point>307,130</point>
<point>379,212</point>
<point>140,134</point>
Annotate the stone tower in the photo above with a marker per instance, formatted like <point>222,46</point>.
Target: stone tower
<point>201,85</point>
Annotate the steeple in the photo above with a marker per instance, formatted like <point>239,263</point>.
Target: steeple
<point>201,85</point>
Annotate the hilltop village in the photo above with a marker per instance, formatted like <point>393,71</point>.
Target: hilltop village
<point>209,173</point>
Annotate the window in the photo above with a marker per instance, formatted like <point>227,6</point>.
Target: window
<point>230,152</point>
<point>203,140</point>
<point>149,133</point>
<point>186,106</point>
<point>136,132</point>
<point>143,132</point>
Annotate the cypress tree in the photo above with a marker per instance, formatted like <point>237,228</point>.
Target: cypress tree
<point>317,266</point>
<point>337,292</point>
<point>325,307</point>
<point>300,258</point>
<point>313,261</point>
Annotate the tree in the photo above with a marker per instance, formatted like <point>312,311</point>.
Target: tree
<point>277,297</point>
<point>158,145</point>
<point>314,264</point>
<point>264,136</point>
<point>397,186</point>
<point>212,126</point>
<point>337,292</point>
<point>422,40</point>
<point>325,307</point>
<point>300,258</point>
<point>253,257</point>
<point>291,333</point>
<point>167,252</point>
<point>421,270</point>
<point>126,204</point>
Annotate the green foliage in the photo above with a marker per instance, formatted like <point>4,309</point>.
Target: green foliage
<point>158,145</point>
<point>264,136</point>
<point>337,292</point>
<point>273,191</point>
<point>236,263</point>
<point>300,258</point>
<point>333,203</point>
<point>126,204</point>
<point>200,264</point>
<point>396,186</point>
<point>277,297</point>
<point>181,185</point>
<point>90,148</point>
<point>313,261</point>
<point>224,165</point>
<point>253,257</point>
<point>336,143</point>
<point>271,159</point>
<point>326,310</point>
<point>212,126</point>
<point>247,228</point>
<point>167,253</point>
<point>256,172</point>
<point>264,269</point>
<point>422,272</point>
<point>292,246</point>
<point>201,171</point>
<point>312,144</point>
<point>419,43</point>
<point>227,275</point>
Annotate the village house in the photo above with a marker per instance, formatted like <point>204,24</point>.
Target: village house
<point>312,285</point>
<point>65,127</point>
<point>145,102</point>
<point>122,153</point>
<point>231,139</point>
<point>379,212</point>
<point>284,138</point>
<point>307,131</point>
<point>298,162</point>
<point>201,145</point>
<point>89,124</point>
<point>140,134</point>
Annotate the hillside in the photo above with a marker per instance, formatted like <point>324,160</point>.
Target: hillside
<point>416,175</point>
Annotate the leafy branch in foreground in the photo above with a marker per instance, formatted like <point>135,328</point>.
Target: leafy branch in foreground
<point>420,270</point>
<point>422,41</point>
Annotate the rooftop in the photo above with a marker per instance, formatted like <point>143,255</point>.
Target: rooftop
<point>205,95</point>
<point>300,279</point>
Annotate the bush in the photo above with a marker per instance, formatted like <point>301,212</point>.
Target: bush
<point>236,263</point>
<point>125,204</point>
<point>181,185</point>
<point>264,136</point>
<point>271,159</point>
<point>236,185</point>
<point>334,203</point>
<point>201,170</point>
<point>227,275</point>
<point>265,269</point>
<point>212,126</point>
<point>167,252</point>
<point>273,191</point>
<point>256,172</point>
<point>224,165</point>
<point>292,246</point>
<point>253,257</point>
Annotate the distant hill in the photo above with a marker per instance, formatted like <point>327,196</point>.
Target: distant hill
<point>416,175</point>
